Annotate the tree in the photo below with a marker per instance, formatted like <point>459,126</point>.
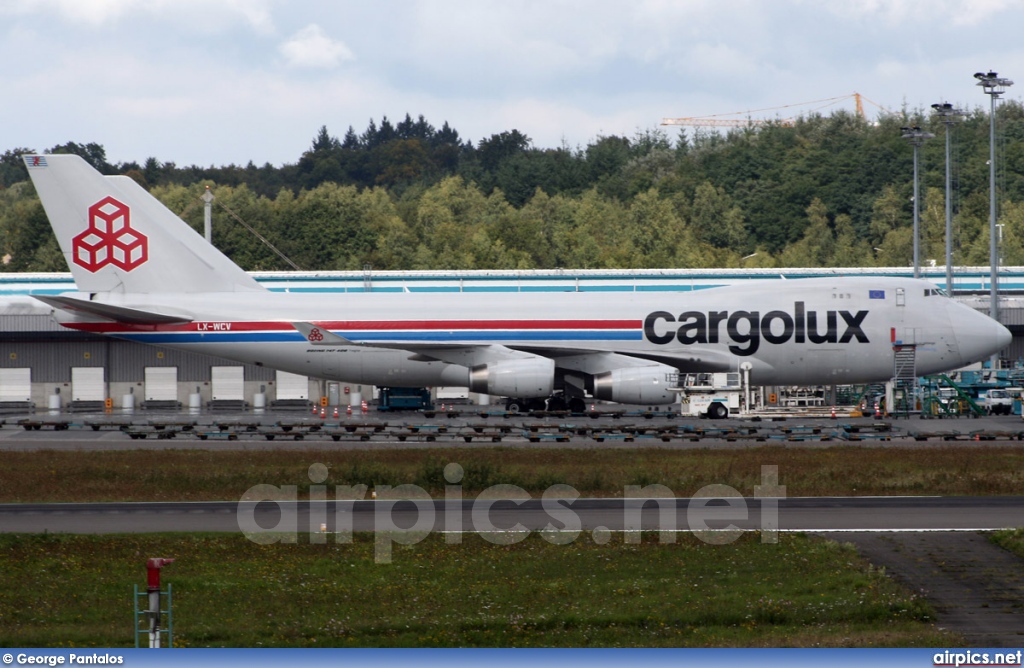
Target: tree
<point>27,242</point>
<point>324,141</point>
<point>818,246</point>
<point>499,147</point>
<point>716,220</point>
<point>401,161</point>
<point>92,153</point>
<point>888,213</point>
<point>656,233</point>
<point>12,167</point>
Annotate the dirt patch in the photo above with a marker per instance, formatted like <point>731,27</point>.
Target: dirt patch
<point>977,588</point>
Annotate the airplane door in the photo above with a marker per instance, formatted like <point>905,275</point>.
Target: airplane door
<point>908,336</point>
<point>330,364</point>
<point>901,297</point>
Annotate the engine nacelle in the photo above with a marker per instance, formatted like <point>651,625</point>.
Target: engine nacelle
<point>636,385</point>
<point>526,378</point>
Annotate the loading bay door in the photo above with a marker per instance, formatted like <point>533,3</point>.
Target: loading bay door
<point>87,383</point>
<point>228,383</point>
<point>292,387</point>
<point>15,385</point>
<point>161,383</point>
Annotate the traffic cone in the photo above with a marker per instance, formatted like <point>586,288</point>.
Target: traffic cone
<point>314,409</point>
<point>335,411</point>
<point>348,410</point>
<point>878,411</point>
<point>364,406</point>
<point>833,412</point>
<point>323,413</point>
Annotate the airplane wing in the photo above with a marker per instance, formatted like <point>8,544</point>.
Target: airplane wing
<point>111,312</point>
<point>693,359</point>
<point>470,355</point>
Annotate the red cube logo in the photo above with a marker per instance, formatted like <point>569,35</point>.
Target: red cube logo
<point>110,239</point>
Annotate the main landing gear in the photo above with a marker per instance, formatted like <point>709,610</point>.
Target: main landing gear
<point>553,403</point>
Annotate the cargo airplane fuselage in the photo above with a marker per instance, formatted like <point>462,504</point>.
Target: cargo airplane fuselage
<point>146,276</point>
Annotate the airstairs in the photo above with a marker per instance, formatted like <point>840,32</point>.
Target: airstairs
<point>904,381</point>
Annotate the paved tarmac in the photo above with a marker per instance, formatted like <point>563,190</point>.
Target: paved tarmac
<point>976,587</point>
<point>813,514</point>
<point>471,427</point>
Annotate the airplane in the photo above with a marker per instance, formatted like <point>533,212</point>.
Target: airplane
<point>144,275</point>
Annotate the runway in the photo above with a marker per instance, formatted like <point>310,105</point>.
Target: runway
<point>812,514</point>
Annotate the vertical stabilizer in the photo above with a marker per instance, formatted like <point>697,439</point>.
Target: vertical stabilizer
<point>116,237</point>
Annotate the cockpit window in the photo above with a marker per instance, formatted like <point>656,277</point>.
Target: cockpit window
<point>934,292</point>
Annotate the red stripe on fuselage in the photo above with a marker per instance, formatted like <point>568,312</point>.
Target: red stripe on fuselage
<point>213,326</point>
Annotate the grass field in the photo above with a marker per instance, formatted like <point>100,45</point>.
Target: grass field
<point>1010,539</point>
<point>158,475</point>
<point>76,591</point>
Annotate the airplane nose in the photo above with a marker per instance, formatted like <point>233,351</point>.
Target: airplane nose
<point>1003,337</point>
<point>979,337</point>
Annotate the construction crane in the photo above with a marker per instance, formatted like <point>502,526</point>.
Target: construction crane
<point>717,120</point>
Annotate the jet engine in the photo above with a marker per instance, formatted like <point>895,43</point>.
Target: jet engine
<point>636,385</point>
<point>528,378</point>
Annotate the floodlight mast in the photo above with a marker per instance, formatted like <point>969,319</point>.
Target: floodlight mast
<point>948,115</point>
<point>916,136</point>
<point>994,86</point>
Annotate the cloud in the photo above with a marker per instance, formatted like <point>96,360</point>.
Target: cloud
<point>311,48</point>
<point>896,12</point>
<point>217,81</point>
<point>206,16</point>
<point>92,13</point>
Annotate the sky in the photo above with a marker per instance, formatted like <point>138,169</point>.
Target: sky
<point>216,82</point>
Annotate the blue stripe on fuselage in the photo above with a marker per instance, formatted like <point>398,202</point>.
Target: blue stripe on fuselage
<point>369,337</point>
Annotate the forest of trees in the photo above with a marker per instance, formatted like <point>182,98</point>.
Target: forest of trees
<point>826,191</point>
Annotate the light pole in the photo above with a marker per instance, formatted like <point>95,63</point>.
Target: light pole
<point>208,198</point>
<point>948,115</point>
<point>915,136</point>
<point>994,86</point>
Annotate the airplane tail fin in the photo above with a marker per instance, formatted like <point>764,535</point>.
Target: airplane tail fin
<point>116,237</point>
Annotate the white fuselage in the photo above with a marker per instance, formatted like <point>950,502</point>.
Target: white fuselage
<point>798,332</point>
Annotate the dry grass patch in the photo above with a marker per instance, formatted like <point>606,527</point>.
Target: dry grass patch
<point>191,475</point>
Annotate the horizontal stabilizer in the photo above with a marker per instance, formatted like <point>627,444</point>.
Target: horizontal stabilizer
<point>111,312</point>
<point>320,336</point>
